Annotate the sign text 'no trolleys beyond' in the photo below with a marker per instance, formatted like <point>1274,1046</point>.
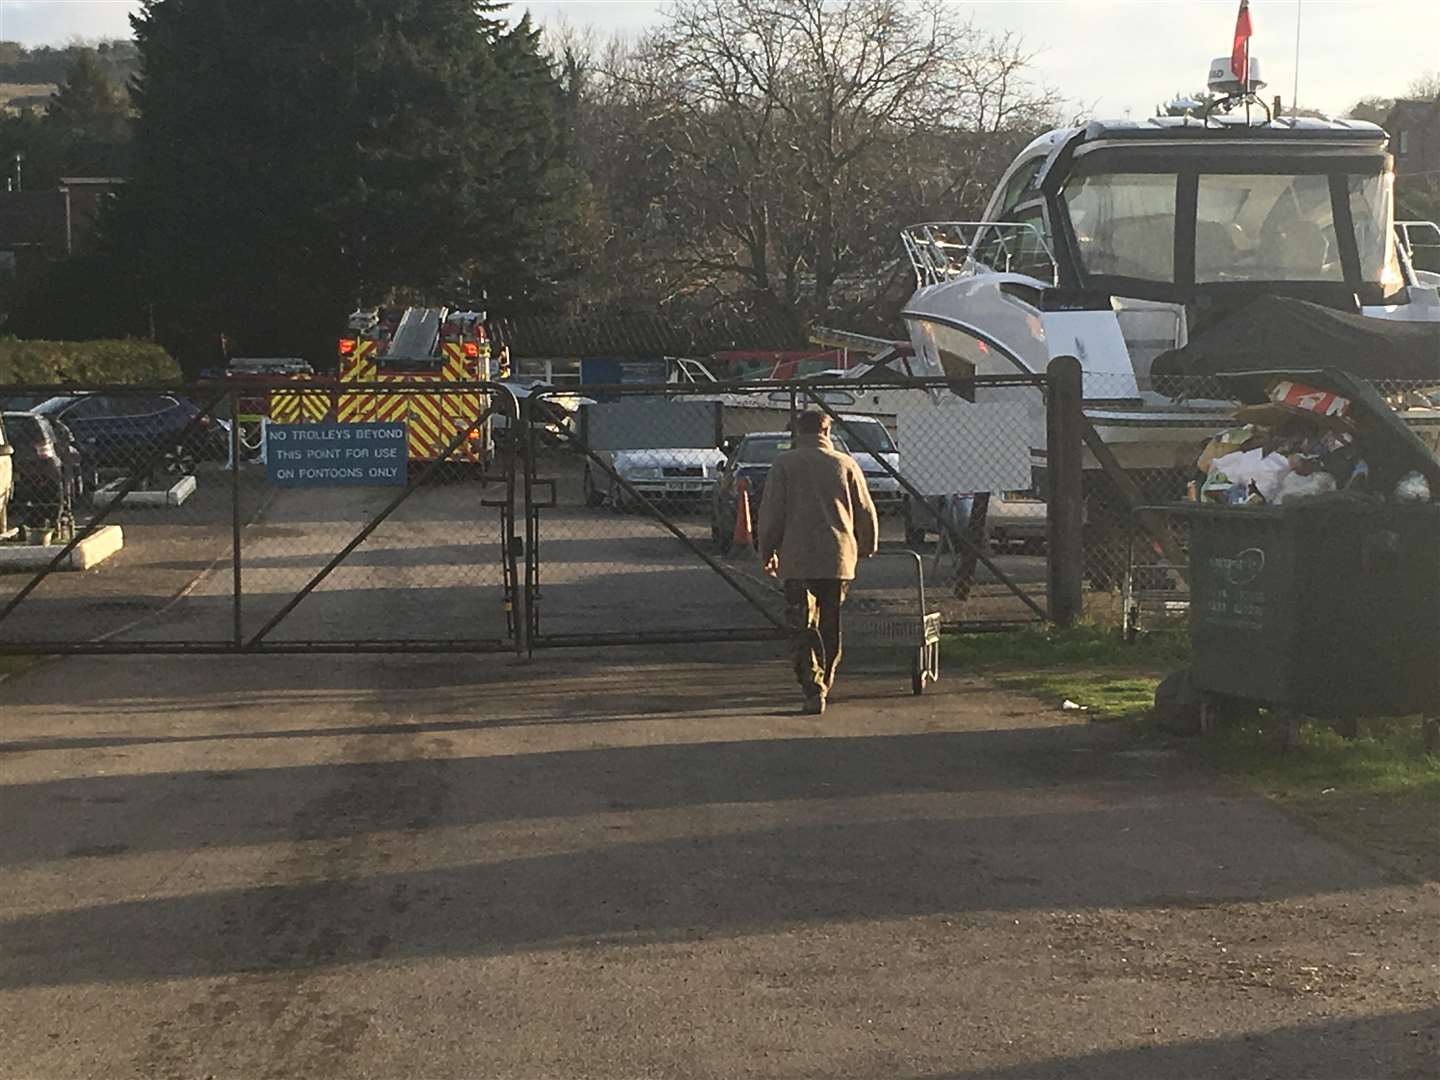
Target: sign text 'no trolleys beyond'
<point>336,455</point>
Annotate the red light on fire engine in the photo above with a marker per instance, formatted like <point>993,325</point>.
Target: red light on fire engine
<point>347,346</point>
<point>472,350</point>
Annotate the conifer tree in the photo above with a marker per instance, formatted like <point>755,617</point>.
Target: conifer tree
<point>292,159</point>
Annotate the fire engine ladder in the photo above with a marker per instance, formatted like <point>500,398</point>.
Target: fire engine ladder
<point>418,334</point>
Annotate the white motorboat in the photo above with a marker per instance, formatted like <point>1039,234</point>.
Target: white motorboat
<point>1121,241</point>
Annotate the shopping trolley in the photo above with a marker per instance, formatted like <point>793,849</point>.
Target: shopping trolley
<point>886,609</point>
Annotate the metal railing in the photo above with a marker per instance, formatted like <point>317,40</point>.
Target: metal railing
<point>941,251</point>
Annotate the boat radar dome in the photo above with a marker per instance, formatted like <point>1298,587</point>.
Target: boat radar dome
<point>1224,81</point>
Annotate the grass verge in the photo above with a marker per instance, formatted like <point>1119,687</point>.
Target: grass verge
<point>1379,793</point>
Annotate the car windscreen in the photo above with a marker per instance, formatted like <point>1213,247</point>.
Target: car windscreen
<point>52,406</point>
<point>23,427</point>
<point>765,449</point>
<point>869,437</point>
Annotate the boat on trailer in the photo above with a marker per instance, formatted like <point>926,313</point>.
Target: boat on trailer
<point>1125,241</point>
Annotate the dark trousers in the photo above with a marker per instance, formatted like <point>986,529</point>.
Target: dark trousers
<point>812,611</point>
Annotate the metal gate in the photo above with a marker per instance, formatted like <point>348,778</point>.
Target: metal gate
<point>330,540</point>
<point>556,520</point>
<point>633,496</point>
<point>618,539</point>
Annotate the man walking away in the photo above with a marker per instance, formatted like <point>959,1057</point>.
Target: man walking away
<point>816,522</point>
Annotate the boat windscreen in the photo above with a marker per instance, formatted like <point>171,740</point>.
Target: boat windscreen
<point>1125,224</point>
<point>1277,225</point>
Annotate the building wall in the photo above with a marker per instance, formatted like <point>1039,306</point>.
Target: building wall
<point>1414,128</point>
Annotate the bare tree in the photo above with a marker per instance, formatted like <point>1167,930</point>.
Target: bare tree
<point>783,142</point>
<point>1426,85</point>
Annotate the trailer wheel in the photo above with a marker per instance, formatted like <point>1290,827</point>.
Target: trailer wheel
<point>594,498</point>
<point>618,502</point>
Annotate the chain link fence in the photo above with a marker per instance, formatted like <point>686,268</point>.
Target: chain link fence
<point>649,501</point>
<point>162,524</point>
<point>444,516</point>
<point>1156,433</point>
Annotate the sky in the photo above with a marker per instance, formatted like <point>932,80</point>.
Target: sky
<point>1105,56</point>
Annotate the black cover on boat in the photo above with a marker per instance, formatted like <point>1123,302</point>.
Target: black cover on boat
<point>1282,332</point>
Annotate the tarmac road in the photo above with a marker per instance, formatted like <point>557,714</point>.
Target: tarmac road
<point>638,864</point>
<point>643,863</point>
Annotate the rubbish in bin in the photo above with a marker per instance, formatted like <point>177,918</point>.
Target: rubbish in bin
<point>1413,487</point>
<point>1329,607</point>
<point>1300,442</point>
<point>1292,400</point>
<point>1299,485</point>
<point>1256,471</point>
<point>1246,437</point>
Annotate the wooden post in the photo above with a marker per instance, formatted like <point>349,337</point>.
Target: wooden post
<point>1065,502</point>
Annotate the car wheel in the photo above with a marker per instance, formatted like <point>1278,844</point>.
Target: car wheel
<point>178,461</point>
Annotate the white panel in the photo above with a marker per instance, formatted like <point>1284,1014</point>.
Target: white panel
<point>651,423</point>
<point>953,446</point>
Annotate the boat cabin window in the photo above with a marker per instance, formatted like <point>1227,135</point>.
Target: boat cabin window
<point>1019,183</point>
<point>1125,224</point>
<point>1265,228</point>
<point>1309,224</point>
<point>1371,207</point>
<point>1018,249</point>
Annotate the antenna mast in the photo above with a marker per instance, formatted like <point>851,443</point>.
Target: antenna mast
<point>1295,93</point>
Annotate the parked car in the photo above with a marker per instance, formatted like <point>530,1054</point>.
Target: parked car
<point>19,402</point>
<point>671,476</point>
<point>7,478</point>
<point>749,462</point>
<point>82,478</point>
<point>43,481</point>
<point>124,431</point>
<point>553,416</point>
<point>871,443</point>
<point>1014,520</point>
<point>920,523</point>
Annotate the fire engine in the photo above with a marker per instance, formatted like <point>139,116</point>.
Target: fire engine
<point>419,345</point>
<point>263,393</point>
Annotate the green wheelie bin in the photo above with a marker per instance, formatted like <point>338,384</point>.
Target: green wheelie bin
<point>1326,607</point>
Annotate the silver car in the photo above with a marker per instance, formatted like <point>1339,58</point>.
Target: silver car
<point>872,447</point>
<point>673,476</point>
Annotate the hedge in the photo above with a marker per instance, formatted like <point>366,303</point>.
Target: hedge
<point>94,362</point>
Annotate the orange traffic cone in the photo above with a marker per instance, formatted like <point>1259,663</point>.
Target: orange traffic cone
<point>744,532</point>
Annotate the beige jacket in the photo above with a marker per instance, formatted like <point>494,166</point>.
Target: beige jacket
<point>817,512</point>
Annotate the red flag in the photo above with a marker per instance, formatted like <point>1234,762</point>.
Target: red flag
<point>1240,51</point>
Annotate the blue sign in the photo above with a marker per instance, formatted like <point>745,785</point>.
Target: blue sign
<point>336,455</point>
<point>612,370</point>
